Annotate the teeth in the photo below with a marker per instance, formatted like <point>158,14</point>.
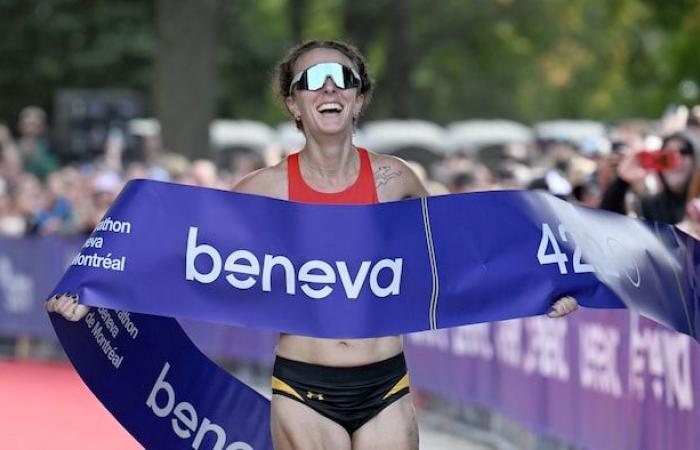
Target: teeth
<point>330,107</point>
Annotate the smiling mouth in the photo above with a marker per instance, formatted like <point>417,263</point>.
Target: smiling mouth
<point>330,108</point>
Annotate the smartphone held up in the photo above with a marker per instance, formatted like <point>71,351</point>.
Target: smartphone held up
<point>663,159</point>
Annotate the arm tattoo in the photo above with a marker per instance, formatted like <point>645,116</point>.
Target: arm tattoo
<point>384,174</point>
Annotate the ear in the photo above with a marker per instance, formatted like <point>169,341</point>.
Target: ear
<point>359,102</point>
<point>292,106</point>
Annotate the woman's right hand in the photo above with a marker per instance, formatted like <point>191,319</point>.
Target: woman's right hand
<point>629,168</point>
<point>67,306</point>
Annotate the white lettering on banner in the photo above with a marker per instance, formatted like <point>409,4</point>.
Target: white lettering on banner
<point>556,256</point>
<point>106,262</point>
<point>114,226</point>
<point>108,322</point>
<point>93,242</point>
<point>472,340</point>
<point>243,267</point>
<point>509,342</point>
<point>350,286</point>
<point>105,331</point>
<point>97,331</point>
<point>17,288</point>
<point>271,261</point>
<point>185,419</point>
<point>100,262</point>
<point>327,276</point>
<point>438,339</point>
<point>252,268</point>
<point>612,259</point>
<point>598,349</point>
<point>664,356</point>
<point>546,349</point>
<point>129,326</point>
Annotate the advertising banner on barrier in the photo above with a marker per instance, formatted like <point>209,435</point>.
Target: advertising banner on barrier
<point>29,268</point>
<point>607,380</point>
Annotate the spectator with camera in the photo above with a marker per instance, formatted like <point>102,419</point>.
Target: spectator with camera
<point>675,164</point>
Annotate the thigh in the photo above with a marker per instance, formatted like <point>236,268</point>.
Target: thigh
<point>295,426</point>
<point>395,428</point>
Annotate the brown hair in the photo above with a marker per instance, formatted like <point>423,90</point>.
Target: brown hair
<point>285,68</point>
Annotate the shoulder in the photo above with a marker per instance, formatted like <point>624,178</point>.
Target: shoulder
<point>269,182</point>
<point>394,179</point>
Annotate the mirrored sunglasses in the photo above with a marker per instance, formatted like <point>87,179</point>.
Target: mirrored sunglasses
<point>313,78</point>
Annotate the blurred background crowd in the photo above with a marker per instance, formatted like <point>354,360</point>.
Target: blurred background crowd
<point>644,168</point>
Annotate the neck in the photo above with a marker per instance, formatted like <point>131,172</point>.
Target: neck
<point>330,161</point>
<point>329,167</point>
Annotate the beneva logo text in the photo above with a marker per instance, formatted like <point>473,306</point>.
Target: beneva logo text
<point>185,419</point>
<point>244,268</point>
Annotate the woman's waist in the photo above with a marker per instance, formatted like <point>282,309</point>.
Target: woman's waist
<point>338,352</point>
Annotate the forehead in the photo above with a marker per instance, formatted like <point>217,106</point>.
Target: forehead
<point>321,55</point>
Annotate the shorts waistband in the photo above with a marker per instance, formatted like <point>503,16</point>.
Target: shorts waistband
<point>289,368</point>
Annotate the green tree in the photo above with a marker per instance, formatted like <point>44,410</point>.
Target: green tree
<point>254,38</point>
<point>49,45</point>
<point>438,60</point>
<point>186,73</point>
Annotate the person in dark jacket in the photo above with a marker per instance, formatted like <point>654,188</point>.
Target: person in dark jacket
<point>667,205</point>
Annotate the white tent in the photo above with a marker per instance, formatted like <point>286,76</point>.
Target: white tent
<point>391,136</point>
<point>575,131</point>
<point>289,138</point>
<point>225,133</point>
<point>472,135</point>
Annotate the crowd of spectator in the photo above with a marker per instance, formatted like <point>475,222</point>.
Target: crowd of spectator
<point>42,195</point>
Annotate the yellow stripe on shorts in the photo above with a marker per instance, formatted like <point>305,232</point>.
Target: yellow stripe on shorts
<point>279,385</point>
<point>402,384</point>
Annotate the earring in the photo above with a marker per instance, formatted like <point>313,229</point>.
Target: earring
<point>297,118</point>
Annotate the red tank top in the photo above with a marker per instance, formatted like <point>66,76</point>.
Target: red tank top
<point>363,191</point>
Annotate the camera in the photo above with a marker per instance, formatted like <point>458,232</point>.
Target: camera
<point>658,160</point>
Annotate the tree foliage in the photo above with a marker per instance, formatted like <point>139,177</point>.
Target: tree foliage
<point>47,45</point>
<point>438,60</point>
